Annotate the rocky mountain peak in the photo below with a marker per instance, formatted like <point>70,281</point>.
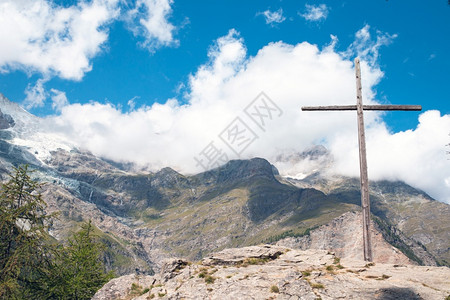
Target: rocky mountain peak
<point>312,153</point>
<point>167,178</point>
<point>167,172</point>
<point>8,106</point>
<point>240,170</point>
<point>299,165</point>
<point>24,121</point>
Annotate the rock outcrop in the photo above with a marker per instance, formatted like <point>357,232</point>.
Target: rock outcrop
<point>275,272</point>
<point>343,235</point>
<point>6,121</point>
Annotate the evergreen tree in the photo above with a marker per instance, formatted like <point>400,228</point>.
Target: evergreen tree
<point>32,264</point>
<point>79,271</point>
<point>24,242</point>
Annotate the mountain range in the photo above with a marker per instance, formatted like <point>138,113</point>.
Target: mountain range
<point>146,217</point>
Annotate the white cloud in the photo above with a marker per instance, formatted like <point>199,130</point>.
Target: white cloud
<point>417,156</point>
<point>315,12</point>
<point>367,48</point>
<point>53,40</point>
<point>40,36</point>
<point>172,134</point>
<point>59,99</point>
<point>273,16</point>
<point>132,103</point>
<point>149,18</point>
<point>35,95</point>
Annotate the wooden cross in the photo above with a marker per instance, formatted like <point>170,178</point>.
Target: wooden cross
<point>359,107</point>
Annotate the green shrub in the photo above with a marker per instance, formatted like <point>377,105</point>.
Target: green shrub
<point>274,289</point>
<point>257,261</point>
<point>306,273</point>
<point>209,279</point>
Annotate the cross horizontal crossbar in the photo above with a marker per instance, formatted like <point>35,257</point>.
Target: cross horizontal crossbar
<point>365,107</point>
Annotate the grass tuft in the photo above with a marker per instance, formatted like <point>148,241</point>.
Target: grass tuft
<point>209,279</point>
<point>306,273</point>
<point>317,286</point>
<point>274,289</point>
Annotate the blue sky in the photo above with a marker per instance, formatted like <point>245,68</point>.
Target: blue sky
<point>156,81</point>
<point>415,63</point>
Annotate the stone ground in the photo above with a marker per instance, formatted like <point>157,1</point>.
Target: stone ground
<point>275,272</point>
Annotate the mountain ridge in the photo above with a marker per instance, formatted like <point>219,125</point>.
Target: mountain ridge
<point>146,217</point>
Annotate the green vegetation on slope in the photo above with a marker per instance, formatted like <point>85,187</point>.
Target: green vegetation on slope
<point>32,264</point>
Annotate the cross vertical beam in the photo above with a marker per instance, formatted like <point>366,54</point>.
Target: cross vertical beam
<point>364,178</point>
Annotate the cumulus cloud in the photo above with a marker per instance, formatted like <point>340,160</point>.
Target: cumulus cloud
<point>219,91</point>
<point>62,40</point>
<point>51,39</point>
<point>149,19</point>
<point>416,156</point>
<point>315,13</point>
<point>225,93</point>
<point>272,17</point>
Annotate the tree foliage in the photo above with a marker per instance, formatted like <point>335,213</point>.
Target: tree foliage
<point>79,272</point>
<point>24,242</point>
<point>32,264</point>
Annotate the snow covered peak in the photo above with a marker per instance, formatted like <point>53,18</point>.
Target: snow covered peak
<point>299,165</point>
<point>25,123</point>
<point>30,132</point>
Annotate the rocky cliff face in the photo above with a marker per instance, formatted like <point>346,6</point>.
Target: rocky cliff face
<point>273,272</point>
<point>343,236</point>
<point>6,121</point>
<point>403,210</point>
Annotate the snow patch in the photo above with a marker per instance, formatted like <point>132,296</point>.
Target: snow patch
<point>42,144</point>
